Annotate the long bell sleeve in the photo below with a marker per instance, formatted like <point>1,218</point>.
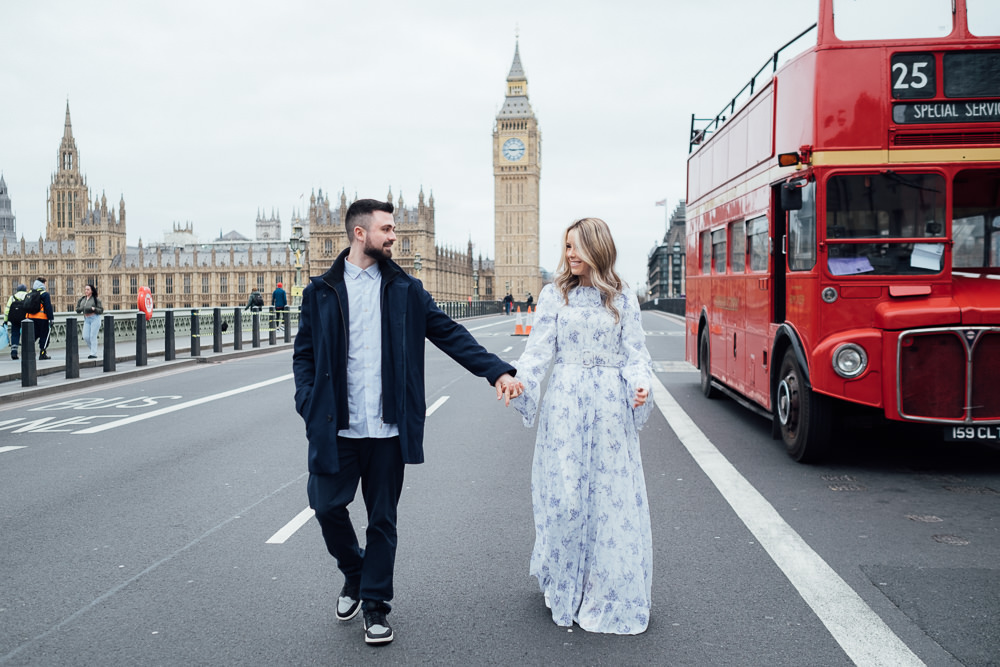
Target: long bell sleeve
<point>638,369</point>
<point>534,362</point>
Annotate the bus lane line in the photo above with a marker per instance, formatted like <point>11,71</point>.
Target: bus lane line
<point>182,406</point>
<point>11,448</point>
<point>303,517</point>
<point>859,631</point>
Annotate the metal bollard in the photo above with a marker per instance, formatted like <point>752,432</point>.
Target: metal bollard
<point>141,351</point>
<point>195,334</point>
<point>110,358</point>
<point>287,315</point>
<point>169,349</point>
<point>256,329</point>
<point>29,366</point>
<point>216,330</point>
<point>237,329</point>
<point>272,327</point>
<point>72,349</point>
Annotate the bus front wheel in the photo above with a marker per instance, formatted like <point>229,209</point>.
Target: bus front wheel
<point>804,417</point>
<point>705,365</point>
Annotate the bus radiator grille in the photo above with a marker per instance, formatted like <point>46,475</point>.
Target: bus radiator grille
<point>932,375</point>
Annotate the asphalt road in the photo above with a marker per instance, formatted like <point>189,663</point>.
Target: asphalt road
<point>159,521</point>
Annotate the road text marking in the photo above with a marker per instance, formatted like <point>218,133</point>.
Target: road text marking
<point>181,406</point>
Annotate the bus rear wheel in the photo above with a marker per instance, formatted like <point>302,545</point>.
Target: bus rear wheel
<point>705,366</point>
<point>804,417</point>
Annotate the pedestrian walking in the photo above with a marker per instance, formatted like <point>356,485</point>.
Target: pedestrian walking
<point>13,315</point>
<point>255,302</point>
<point>91,308</point>
<point>358,363</point>
<point>41,317</point>
<point>508,303</point>
<point>593,548</point>
<point>531,300</point>
<point>279,299</point>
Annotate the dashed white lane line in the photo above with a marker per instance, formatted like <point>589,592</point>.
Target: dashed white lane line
<point>11,448</point>
<point>303,517</point>
<point>862,634</point>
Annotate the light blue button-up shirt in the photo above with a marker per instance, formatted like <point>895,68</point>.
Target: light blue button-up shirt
<point>364,354</point>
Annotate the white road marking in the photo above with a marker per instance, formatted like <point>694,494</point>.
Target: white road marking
<point>182,406</point>
<point>289,528</point>
<point>508,349</point>
<point>303,517</point>
<point>11,448</point>
<point>434,406</point>
<point>865,638</point>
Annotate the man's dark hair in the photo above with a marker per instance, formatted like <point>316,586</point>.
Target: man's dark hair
<point>42,279</point>
<point>359,214</point>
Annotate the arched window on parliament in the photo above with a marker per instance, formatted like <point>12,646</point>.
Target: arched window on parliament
<point>90,245</point>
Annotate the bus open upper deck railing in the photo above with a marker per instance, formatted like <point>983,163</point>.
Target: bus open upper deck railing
<point>699,135</point>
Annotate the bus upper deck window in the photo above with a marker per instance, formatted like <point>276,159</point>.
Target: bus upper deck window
<point>892,19</point>
<point>984,19</point>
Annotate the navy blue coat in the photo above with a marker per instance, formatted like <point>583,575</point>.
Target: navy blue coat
<point>409,316</point>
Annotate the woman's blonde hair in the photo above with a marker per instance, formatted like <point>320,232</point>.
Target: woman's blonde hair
<point>596,248</point>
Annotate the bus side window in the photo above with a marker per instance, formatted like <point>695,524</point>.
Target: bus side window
<point>758,242</point>
<point>719,250</point>
<point>738,247</point>
<point>706,253</point>
<point>802,232</point>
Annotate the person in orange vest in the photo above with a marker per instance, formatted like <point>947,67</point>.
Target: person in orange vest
<point>42,317</point>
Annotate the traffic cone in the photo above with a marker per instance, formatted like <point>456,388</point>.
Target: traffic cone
<point>531,320</point>
<point>519,326</point>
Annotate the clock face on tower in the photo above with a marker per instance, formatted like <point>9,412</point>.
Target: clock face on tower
<point>513,149</point>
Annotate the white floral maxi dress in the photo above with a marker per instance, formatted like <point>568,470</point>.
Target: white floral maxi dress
<point>593,545</point>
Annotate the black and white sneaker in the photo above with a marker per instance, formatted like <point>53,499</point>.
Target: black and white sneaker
<point>377,629</point>
<point>348,604</point>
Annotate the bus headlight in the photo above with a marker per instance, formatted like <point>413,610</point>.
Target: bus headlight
<point>850,360</point>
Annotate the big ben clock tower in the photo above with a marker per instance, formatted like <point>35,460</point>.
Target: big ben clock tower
<point>517,166</point>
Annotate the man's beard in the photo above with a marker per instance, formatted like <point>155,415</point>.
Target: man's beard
<point>378,254</point>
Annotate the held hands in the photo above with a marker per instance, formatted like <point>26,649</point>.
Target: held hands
<point>641,394</point>
<point>507,388</point>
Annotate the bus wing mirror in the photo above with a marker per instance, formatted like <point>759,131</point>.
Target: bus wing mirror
<point>791,196</point>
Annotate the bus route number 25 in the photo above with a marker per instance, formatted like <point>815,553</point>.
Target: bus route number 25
<point>913,75</point>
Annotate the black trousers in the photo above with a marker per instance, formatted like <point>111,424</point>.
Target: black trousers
<point>41,334</point>
<point>378,464</point>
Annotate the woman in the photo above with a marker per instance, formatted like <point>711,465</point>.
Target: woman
<point>593,545</point>
<point>91,308</point>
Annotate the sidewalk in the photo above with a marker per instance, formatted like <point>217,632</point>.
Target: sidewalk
<point>52,373</point>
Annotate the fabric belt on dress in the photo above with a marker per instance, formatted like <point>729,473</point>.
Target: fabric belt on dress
<point>590,359</point>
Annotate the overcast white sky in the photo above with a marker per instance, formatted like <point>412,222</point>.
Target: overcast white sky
<point>206,111</point>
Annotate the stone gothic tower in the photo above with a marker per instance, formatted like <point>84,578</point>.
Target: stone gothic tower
<point>8,231</point>
<point>268,228</point>
<point>517,166</point>
<point>68,193</point>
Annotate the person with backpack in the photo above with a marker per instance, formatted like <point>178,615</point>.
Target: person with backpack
<point>279,299</point>
<point>91,308</point>
<point>13,315</point>
<point>38,305</point>
<point>256,302</point>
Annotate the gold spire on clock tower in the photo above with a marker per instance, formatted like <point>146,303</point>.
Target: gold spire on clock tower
<point>517,166</point>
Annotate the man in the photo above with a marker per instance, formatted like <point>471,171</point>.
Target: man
<point>42,318</point>
<point>531,300</point>
<point>14,319</point>
<point>279,299</point>
<point>508,303</point>
<point>359,386</point>
<point>255,302</point>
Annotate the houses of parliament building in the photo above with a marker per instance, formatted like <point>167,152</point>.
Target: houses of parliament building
<point>85,240</point>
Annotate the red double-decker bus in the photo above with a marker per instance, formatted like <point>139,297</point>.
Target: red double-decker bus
<point>843,226</point>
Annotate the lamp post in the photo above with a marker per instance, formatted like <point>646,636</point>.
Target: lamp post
<point>296,244</point>
<point>417,265</point>
<point>475,284</point>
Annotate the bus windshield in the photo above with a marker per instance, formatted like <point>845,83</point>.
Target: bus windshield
<point>975,225</point>
<point>884,207</point>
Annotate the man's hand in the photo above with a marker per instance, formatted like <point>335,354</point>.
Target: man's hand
<point>507,388</point>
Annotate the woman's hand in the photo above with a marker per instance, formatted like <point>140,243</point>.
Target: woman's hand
<point>641,394</point>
